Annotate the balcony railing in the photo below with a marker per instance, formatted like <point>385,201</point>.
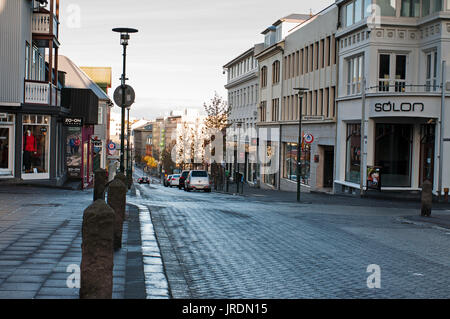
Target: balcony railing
<point>41,24</point>
<point>42,93</point>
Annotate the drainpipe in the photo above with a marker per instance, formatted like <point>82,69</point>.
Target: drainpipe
<point>441,125</point>
<point>363,150</point>
<point>279,118</point>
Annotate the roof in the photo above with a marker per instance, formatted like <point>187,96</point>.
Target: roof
<point>294,18</point>
<point>100,75</point>
<point>78,79</point>
<point>253,50</point>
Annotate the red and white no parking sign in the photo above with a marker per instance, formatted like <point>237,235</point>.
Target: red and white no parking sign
<point>309,138</point>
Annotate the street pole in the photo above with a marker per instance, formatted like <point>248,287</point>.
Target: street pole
<point>128,141</point>
<point>301,92</point>
<point>122,128</point>
<point>299,147</point>
<point>441,126</point>
<point>363,151</point>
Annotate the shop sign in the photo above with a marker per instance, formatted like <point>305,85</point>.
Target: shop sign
<point>396,107</point>
<point>73,121</point>
<point>374,178</point>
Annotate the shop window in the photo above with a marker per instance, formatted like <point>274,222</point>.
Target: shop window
<point>393,154</point>
<point>290,162</point>
<point>35,144</point>
<point>353,160</point>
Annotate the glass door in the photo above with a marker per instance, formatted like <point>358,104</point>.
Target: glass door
<point>5,156</point>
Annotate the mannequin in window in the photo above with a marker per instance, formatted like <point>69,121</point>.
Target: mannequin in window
<point>29,148</point>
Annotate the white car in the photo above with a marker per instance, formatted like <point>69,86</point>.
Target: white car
<point>174,180</point>
<point>198,180</point>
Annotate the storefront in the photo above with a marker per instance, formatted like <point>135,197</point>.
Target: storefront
<point>402,142</point>
<point>7,128</point>
<point>35,147</point>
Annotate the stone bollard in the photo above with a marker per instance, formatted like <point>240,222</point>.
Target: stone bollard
<point>121,176</point>
<point>129,178</point>
<point>99,184</point>
<point>427,198</point>
<point>117,197</point>
<point>97,260</point>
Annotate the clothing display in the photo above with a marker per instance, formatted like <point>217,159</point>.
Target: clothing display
<point>29,148</point>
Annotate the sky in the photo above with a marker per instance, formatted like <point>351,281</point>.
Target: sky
<point>175,60</point>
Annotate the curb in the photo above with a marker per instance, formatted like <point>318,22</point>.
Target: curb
<point>405,220</point>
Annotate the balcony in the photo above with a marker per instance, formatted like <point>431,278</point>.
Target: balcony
<point>42,93</point>
<point>41,24</point>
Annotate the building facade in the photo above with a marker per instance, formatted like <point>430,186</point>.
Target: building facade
<point>31,132</point>
<point>304,58</point>
<point>392,101</point>
<point>243,89</point>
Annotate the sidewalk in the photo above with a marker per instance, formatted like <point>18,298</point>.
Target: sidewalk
<point>40,237</point>
<point>328,199</point>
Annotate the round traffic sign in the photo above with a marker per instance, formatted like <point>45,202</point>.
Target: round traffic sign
<point>309,138</point>
<point>112,146</point>
<point>130,96</point>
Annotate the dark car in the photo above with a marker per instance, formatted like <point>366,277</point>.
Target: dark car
<point>144,180</point>
<point>183,177</point>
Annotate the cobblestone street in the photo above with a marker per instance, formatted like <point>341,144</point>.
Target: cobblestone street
<point>224,246</point>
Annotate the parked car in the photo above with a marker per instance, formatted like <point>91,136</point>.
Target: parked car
<point>174,180</point>
<point>166,180</point>
<point>198,180</point>
<point>183,177</point>
<point>144,180</point>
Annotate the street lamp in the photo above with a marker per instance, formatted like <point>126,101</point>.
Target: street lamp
<point>124,38</point>
<point>300,91</point>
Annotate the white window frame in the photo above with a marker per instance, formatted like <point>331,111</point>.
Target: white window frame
<point>391,83</point>
<point>431,72</point>
<point>354,80</point>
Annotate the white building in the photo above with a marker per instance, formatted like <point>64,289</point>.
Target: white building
<point>242,85</point>
<point>399,54</point>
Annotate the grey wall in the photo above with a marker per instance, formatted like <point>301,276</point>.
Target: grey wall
<point>15,30</point>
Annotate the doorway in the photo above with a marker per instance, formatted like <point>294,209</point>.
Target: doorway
<point>328,167</point>
<point>5,151</point>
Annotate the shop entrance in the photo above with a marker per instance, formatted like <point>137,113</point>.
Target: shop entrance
<point>427,152</point>
<point>393,146</point>
<point>328,166</point>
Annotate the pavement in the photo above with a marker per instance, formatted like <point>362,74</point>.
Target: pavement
<point>262,245</point>
<point>40,245</point>
<point>213,245</point>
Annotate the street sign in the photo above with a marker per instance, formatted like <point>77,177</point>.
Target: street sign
<point>309,138</point>
<point>112,146</point>
<point>130,96</point>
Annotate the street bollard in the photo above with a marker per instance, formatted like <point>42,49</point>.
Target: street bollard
<point>121,176</point>
<point>99,184</point>
<point>117,197</point>
<point>446,194</point>
<point>97,261</point>
<point>427,198</point>
<point>129,177</point>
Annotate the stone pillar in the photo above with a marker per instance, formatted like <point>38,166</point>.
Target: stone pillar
<point>99,184</point>
<point>427,198</point>
<point>117,197</point>
<point>97,260</point>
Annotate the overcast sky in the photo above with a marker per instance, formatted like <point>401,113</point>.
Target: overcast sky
<point>176,59</point>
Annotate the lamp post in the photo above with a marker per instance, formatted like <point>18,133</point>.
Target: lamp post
<point>124,37</point>
<point>236,167</point>
<point>300,91</point>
